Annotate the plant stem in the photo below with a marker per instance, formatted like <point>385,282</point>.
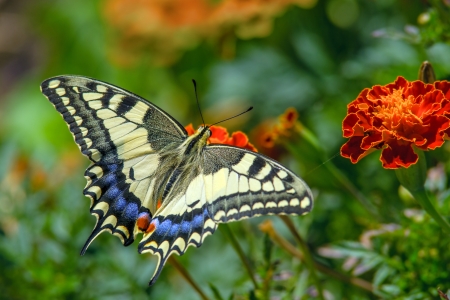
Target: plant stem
<point>422,198</point>
<point>352,189</point>
<point>308,259</point>
<point>225,229</point>
<point>413,179</point>
<point>267,227</point>
<point>174,262</point>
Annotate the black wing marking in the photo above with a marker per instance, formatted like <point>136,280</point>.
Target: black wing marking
<point>122,134</point>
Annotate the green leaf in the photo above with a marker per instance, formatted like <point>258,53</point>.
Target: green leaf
<point>381,274</point>
<point>215,291</point>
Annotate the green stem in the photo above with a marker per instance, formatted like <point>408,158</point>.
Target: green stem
<point>422,198</point>
<point>352,189</point>
<point>174,262</point>
<point>225,229</point>
<point>267,227</point>
<point>309,261</point>
<point>413,179</point>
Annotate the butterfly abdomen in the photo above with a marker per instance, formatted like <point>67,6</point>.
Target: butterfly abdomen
<point>173,177</point>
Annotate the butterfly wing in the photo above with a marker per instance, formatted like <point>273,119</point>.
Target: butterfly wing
<point>243,184</point>
<point>230,184</point>
<point>123,135</point>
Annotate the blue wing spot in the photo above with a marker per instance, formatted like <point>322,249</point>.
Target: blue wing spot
<point>163,227</point>
<point>112,168</point>
<point>119,204</point>
<point>174,230</point>
<point>131,211</point>
<point>198,220</point>
<point>110,179</point>
<point>113,192</point>
<point>185,227</point>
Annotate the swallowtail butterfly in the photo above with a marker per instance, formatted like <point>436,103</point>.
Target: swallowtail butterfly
<point>148,176</point>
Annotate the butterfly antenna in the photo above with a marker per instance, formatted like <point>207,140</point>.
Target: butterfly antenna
<point>196,97</point>
<point>249,109</point>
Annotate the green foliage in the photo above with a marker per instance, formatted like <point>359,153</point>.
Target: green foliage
<point>315,60</point>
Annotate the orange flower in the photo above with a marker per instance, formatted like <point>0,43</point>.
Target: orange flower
<point>270,131</point>
<point>163,29</point>
<point>219,135</point>
<point>287,120</point>
<point>271,135</point>
<point>396,117</point>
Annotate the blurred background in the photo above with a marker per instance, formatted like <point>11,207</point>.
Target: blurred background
<point>311,55</point>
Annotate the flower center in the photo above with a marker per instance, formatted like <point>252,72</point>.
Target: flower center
<point>395,110</point>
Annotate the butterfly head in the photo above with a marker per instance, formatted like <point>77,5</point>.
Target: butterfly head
<point>205,131</point>
<point>197,141</point>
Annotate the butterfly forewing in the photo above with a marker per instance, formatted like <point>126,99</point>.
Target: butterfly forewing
<point>122,134</point>
<point>143,163</point>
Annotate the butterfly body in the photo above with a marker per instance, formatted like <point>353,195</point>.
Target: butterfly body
<point>148,176</point>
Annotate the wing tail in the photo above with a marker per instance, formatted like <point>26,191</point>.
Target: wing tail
<point>174,234</point>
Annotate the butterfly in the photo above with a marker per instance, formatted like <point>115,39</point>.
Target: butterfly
<point>148,176</point>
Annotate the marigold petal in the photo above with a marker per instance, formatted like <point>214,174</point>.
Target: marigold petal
<point>399,83</point>
<point>365,120</point>
<point>352,149</point>
<point>358,130</point>
<point>372,140</point>
<point>444,107</point>
<point>356,124</point>
<point>348,125</point>
<point>238,139</point>
<point>219,135</point>
<point>397,155</point>
<point>417,88</point>
<point>443,86</point>
<point>376,93</point>
<point>250,147</point>
<point>190,129</point>
<point>429,103</point>
<point>434,137</point>
<point>410,131</point>
<point>355,105</point>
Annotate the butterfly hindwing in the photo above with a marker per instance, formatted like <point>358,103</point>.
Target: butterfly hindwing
<point>243,184</point>
<point>230,184</point>
<point>123,135</point>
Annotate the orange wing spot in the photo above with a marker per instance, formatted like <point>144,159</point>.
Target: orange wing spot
<point>151,228</point>
<point>158,204</point>
<point>143,221</point>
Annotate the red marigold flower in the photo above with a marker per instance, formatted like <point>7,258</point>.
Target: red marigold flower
<point>219,135</point>
<point>396,117</point>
